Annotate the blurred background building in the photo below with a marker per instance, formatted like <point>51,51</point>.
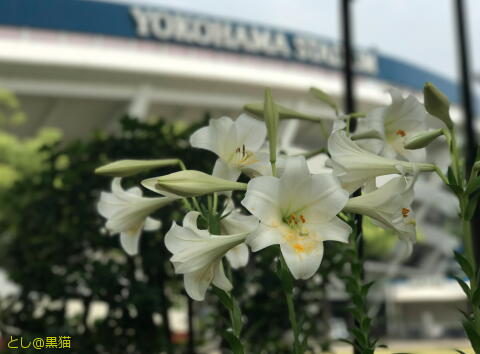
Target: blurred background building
<point>79,65</point>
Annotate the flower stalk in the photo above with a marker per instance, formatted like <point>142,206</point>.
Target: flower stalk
<point>232,335</point>
<point>287,286</point>
<point>362,339</point>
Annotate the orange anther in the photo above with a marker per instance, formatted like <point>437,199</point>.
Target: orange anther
<point>401,132</point>
<point>303,219</point>
<point>405,212</point>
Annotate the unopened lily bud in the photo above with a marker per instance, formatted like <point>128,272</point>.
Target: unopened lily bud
<point>256,109</point>
<point>271,117</point>
<point>124,168</point>
<point>422,139</point>
<point>325,98</point>
<point>191,183</point>
<point>437,104</point>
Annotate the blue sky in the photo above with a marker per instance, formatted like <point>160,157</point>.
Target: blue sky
<point>421,32</point>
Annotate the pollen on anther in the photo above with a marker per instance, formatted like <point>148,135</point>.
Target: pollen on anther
<point>405,212</point>
<point>298,247</point>
<point>401,132</point>
<point>303,219</point>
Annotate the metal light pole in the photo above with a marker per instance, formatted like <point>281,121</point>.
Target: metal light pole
<point>469,129</point>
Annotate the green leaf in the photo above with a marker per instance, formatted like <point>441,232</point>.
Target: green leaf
<point>365,324</point>
<point>325,98</point>
<point>356,269</point>
<point>476,297</point>
<point>360,336</point>
<point>464,264</point>
<point>473,185</point>
<point>366,288</point>
<point>452,181</point>
<point>348,341</point>
<point>237,317</point>
<point>285,277</point>
<point>471,207</point>
<point>357,300</point>
<point>465,287</point>
<point>472,334</point>
<point>233,341</point>
<point>224,298</point>
<point>468,316</point>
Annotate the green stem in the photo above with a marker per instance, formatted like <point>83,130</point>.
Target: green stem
<point>187,204</point>
<point>181,164</point>
<point>288,291</point>
<point>274,168</point>
<point>441,175</point>
<point>470,255</point>
<point>197,206</point>
<point>215,202</point>
<point>358,291</point>
<point>293,321</point>
<point>468,242</point>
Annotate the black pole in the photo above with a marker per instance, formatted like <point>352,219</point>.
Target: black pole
<point>464,61</point>
<point>349,100</point>
<point>469,129</point>
<point>191,332</point>
<point>348,76</point>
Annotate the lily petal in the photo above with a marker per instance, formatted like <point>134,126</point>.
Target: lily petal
<point>238,256</point>
<point>302,265</point>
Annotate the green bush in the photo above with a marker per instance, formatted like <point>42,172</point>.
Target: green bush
<point>54,247</point>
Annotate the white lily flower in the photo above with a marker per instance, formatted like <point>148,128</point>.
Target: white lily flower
<point>403,118</point>
<point>198,254</point>
<point>236,223</point>
<point>390,207</point>
<point>298,212</point>
<point>127,213</point>
<point>234,142</point>
<point>355,166</point>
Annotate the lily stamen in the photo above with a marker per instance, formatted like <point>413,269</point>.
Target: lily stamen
<point>405,212</point>
<point>401,132</point>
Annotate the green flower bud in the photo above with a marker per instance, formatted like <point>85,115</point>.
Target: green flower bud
<point>422,139</point>
<point>437,104</point>
<point>256,109</point>
<point>124,168</point>
<point>325,98</point>
<point>271,117</point>
<point>191,183</point>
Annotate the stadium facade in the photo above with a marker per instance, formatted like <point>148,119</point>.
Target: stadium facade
<point>79,64</point>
